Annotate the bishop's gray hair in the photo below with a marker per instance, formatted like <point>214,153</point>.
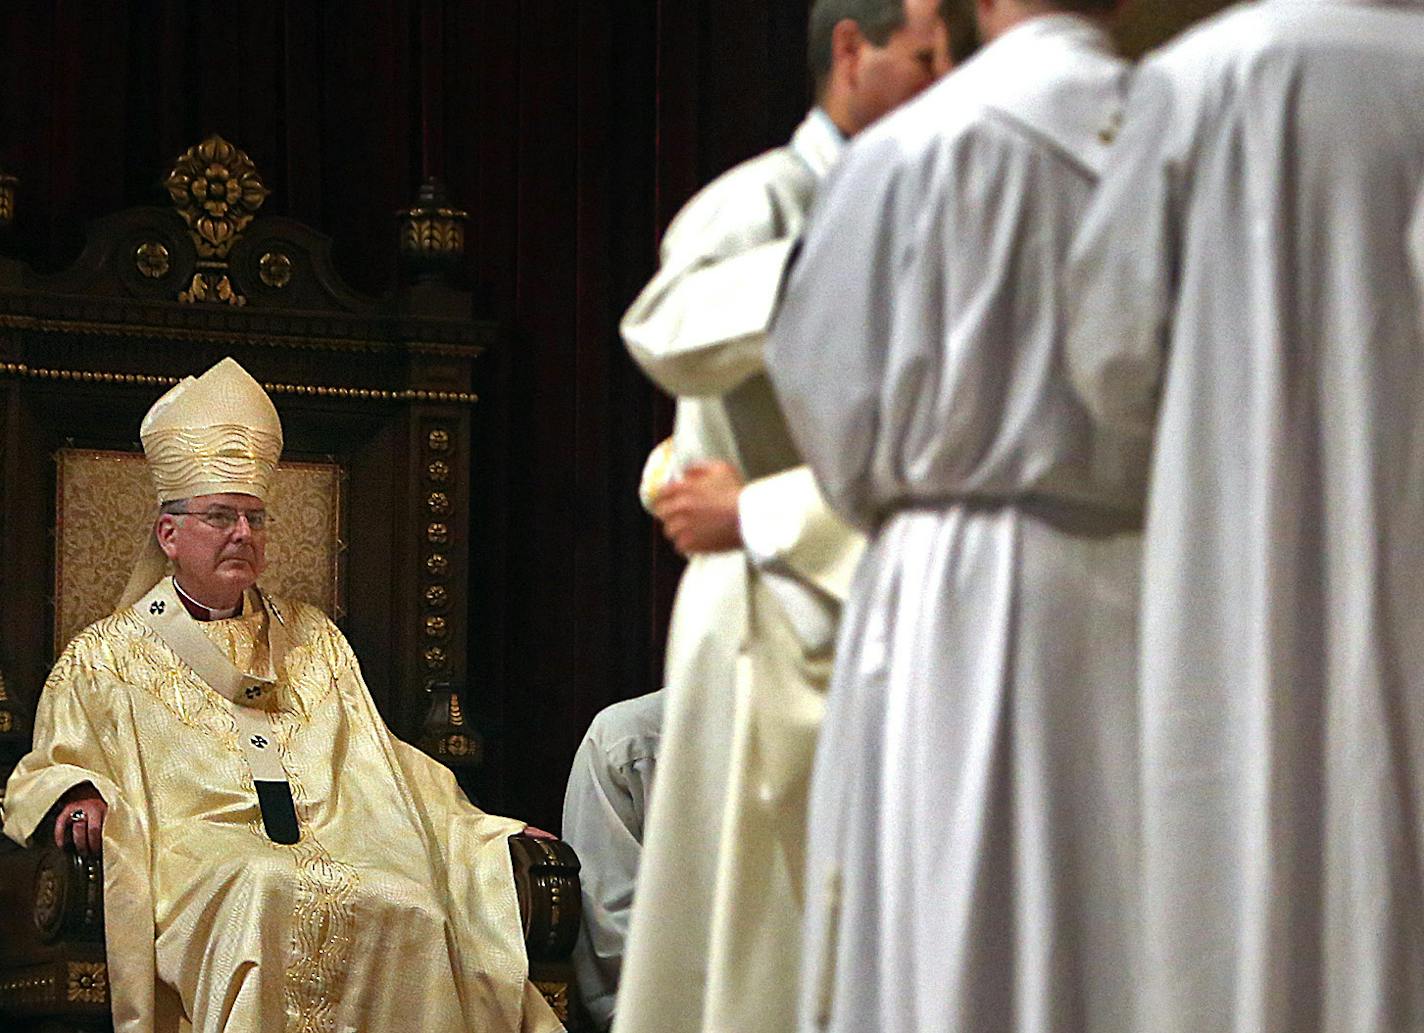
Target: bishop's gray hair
<point>878,20</point>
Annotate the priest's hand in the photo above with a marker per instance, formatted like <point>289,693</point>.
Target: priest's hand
<point>80,824</point>
<point>535,833</point>
<point>699,511</point>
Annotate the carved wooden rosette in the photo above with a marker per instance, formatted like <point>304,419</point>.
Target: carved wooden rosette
<point>88,982</point>
<point>217,191</point>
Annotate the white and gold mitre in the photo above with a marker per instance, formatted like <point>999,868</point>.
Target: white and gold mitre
<point>212,434</point>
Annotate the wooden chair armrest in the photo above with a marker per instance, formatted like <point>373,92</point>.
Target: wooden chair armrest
<point>550,900</point>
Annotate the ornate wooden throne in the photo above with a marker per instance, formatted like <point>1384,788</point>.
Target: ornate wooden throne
<point>375,397</point>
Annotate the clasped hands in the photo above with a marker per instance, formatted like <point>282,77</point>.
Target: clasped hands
<point>699,511</point>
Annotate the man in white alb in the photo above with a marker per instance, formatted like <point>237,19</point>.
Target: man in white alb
<point>973,807</point>
<point>1246,294</point>
<point>715,933</point>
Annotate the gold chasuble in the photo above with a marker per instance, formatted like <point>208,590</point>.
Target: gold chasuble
<point>393,910</point>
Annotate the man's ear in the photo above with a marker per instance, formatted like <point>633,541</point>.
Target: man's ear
<point>164,530</point>
<point>846,43</point>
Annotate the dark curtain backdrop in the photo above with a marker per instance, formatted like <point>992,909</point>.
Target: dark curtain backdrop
<point>572,132</point>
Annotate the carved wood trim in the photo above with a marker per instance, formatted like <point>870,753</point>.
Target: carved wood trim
<point>21,369</point>
<point>261,329</point>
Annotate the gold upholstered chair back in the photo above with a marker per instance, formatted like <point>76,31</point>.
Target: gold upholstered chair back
<point>103,511</point>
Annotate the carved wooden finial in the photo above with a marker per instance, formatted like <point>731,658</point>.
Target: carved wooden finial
<point>446,733</point>
<point>432,232</point>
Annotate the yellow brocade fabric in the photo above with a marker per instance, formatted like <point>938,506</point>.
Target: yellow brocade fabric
<point>396,909</point>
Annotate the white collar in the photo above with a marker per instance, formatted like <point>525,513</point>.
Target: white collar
<point>818,142</point>
<point>213,615</point>
<point>1062,25</point>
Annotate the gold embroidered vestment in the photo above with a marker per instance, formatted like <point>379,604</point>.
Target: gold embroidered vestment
<point>396,908</point>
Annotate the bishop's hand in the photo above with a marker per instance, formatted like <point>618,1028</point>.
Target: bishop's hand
<point>80,824</point>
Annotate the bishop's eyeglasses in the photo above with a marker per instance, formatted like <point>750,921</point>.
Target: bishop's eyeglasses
<point>225,518</point>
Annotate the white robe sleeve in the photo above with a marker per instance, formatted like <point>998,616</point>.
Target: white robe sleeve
<point>786,525</point>
<point>827,350</point>
<point>699,326</point>
<point>1121,278</point>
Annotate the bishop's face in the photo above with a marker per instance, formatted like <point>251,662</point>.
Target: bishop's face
<point>214,563</point>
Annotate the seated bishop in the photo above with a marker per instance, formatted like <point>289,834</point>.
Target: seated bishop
<point>274,858</point>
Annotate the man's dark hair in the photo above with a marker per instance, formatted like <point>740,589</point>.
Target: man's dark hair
<point>176,506</point>
<point>877,19</point>
<point>963,26</point>
<point>1085,6</point>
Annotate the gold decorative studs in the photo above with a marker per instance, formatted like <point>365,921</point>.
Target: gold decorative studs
<point>152,260</point>
<point>275,269</point>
